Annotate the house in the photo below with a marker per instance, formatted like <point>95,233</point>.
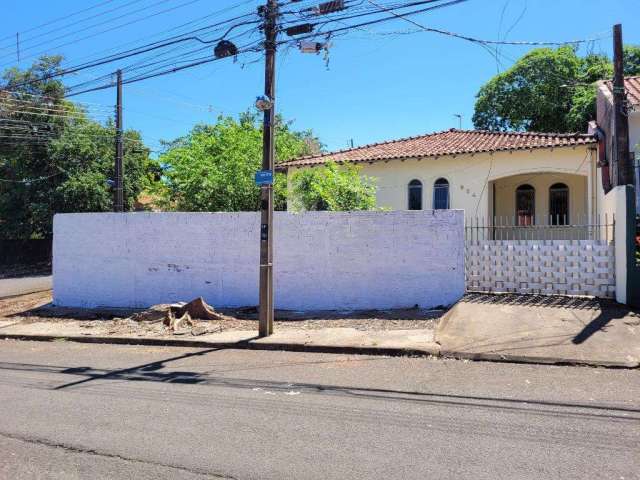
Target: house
<point>605,123</point>
<point>497,178</point>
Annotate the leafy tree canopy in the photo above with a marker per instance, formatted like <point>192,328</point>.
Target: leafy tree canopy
<point>547,90</point>
<point>54,158</point>
<point>213,167</point>
<point>333,187</point>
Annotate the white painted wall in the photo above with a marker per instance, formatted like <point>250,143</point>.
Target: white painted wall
<point>616,201</point>
<point>323,260</point>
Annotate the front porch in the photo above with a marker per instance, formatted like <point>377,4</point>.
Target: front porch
<point>540,206</point>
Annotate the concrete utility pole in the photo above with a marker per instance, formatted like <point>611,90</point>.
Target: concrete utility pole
<point>270,13</point>
<point>620,116</point>
<point>118,204</point>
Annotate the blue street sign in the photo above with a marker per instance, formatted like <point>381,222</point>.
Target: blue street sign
<point>264,177</point>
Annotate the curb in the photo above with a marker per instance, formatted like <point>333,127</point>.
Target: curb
<point>335,349</point>
<point>502,358</point>
<point>27,292</point>
<point>243,345</point>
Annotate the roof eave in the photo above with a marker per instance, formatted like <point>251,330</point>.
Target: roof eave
<point>313,162</point>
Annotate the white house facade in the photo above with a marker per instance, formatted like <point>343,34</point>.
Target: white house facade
<point>510,178</point>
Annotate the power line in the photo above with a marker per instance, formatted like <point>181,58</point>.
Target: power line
<point>131,53</point>
<point>145,17</point>
<point>482,41</point>
<point>40,35</point>
<point>65,17</point>
<point>199,20</point>
<point>372,22</point>
<point>48,97</point>
<point>10,102</point>
<point>165,72</point>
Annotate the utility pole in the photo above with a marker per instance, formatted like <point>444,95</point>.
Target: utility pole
<point>620,116</point>
<point>118,204</point>
<point>270,13</point>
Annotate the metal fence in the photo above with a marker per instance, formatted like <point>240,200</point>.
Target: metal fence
<point>583,227</point>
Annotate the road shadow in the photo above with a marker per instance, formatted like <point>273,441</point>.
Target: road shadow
<point>152,372</point>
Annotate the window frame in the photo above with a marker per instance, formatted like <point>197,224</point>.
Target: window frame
<point>413,185</point>
<point>555,219</point>
<point>528,189</point>
<point>441,181</point>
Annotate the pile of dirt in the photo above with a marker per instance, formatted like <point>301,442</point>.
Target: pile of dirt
<point>180,318</point>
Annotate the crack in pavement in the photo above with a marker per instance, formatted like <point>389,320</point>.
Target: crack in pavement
<point>90,451</point>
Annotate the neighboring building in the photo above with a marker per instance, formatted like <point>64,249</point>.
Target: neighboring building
<point>496,177</point>
<point>605,119</point>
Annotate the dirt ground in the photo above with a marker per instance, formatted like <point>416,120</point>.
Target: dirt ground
<point>36,307</point>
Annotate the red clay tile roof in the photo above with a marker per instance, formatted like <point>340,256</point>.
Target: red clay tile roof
<point>449,142</point>
<point>632,86</point>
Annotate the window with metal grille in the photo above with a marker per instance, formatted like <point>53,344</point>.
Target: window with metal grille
<point>415,195</point>
<point>441,194</point>
<point>559,204</point>
<point>525,205</point>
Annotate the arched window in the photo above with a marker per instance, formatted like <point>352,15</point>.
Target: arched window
<point>415,195</point>
<point>441,194</point>
<point>525,205</point>
<point>559,204</point>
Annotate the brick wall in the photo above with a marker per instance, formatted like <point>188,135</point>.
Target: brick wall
<point>564,267</point>
<point>323,260</point>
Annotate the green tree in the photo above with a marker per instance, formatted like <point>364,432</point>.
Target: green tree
<point>547,90</point>
<point>334,188</point>
<point>213,167</point>
<point>631,60</point>
<point>54,158</point>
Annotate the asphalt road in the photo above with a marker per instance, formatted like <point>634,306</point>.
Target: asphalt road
<point>23,285</point>
<point>103,412</point>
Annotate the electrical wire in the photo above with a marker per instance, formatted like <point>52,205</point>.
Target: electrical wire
<point>145,17</point>
<point>42,34</point>
<point>482,41</point>
<point>65,17</point>
<point>131,53</point>
<point>165,72</point>
<point>199,20</point>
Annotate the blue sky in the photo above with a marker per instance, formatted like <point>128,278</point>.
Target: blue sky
<point>376,87</point>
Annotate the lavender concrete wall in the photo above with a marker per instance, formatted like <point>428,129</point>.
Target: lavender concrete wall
<point>322,260</point>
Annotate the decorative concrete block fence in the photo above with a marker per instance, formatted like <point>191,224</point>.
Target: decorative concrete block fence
<point>323,260</point>
<point>560,267</point>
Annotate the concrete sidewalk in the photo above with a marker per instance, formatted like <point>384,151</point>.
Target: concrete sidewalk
<point>512,328</point>
<point>329,340</point>
<point>539,329</point>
